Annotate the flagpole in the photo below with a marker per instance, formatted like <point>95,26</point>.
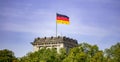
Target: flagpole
<point>61,19</point>
<point>56,28</point>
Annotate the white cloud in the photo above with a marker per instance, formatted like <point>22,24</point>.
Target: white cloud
<point>50,29</point>
<point>42,20</point>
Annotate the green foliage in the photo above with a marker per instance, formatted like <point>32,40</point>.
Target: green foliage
<point>43,55</point>
<point>7,56</point>
<point>113,54</point>
<point>84,52</point>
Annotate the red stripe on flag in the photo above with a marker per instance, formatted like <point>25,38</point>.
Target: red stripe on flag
<point>62,18</point>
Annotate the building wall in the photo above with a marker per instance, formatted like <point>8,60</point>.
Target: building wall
<point>35,48</point>
<point>57,46</point>
<point>54,42</point>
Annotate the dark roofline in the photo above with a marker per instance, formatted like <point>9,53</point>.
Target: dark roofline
<point>52,40</point>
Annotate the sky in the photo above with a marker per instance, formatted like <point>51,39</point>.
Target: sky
<point>91,21</point>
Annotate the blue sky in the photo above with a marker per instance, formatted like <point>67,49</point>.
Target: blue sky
<point>91,21</point>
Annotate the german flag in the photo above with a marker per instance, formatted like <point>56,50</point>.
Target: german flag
<point>62,19</point>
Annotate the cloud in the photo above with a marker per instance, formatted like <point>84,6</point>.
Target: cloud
<point>43,21</point>
<point>86,19</point>
<point>50,29</point>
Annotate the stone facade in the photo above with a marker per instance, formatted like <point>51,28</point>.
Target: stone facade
<point>54,42</point>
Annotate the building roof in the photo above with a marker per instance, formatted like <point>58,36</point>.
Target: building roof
<point>49,40</point>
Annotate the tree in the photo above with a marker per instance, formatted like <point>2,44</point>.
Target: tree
<point>113,54</point>
<point>98,57</point>
<point>84,52</point>
<point>7,56</point>
<point>43,55</point>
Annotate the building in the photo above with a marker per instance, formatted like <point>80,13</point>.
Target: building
<point>54,42</point>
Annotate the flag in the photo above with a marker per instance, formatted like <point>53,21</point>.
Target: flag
<point>62,19</point>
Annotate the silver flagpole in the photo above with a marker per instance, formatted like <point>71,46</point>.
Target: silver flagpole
<point>56,26</point>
